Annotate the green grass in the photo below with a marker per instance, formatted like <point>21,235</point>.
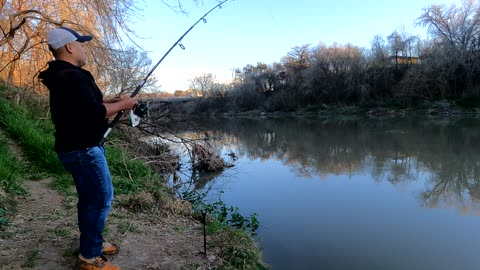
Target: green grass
<point>10,182</point>
<point>132,176</point>
<point>35,136</point>
<point>31,261</point>
<point>231,233</point>
<point>10,170</point>
<point>179,229</point>
<point>237,248</point>
<point>64,184</point>
<point>123,227</point>
<point>61,232</point>
<point>3,217</point>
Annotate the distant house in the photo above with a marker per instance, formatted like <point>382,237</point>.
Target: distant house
<point>403,60</point>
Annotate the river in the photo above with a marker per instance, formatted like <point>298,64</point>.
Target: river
<point>353,192</point>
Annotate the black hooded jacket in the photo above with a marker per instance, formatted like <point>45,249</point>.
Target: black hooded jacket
<point>76,106</point>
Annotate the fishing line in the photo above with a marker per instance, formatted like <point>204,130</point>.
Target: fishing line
<point>142,83</point>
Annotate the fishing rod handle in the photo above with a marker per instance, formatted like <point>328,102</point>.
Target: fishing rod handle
<point>110,126</point>
<point>120,114</point>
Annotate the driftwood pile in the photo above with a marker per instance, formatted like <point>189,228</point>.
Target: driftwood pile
<point>204,158</point>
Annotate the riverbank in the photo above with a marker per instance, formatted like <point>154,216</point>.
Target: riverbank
<point>154,229</point>
<point>193,107</point>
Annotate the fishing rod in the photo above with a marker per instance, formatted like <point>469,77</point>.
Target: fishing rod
<point>141,110</point>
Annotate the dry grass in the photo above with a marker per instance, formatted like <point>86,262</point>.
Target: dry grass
<point>146,202</point>
<point>179,207</point>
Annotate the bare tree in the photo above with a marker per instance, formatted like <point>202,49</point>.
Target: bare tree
<point>457,27</point>
<point>379,50</point>
<point>336,73</point>
<point>456,34</point>
<point>129,68</point>
<point>203,83</point>
<point>177,5</point>
<point>2,3</point>
<point>397,46</point>
<point>297,59</point>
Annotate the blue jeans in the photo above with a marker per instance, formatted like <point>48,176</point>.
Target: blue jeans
<point>95,194</point>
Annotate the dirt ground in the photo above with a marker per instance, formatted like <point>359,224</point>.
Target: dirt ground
<point>44,235</point>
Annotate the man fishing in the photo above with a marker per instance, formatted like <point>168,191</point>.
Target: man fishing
<point>80,115</point>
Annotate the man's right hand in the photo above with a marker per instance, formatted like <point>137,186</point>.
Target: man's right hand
<point>124,103</point>
<point>128,102</point>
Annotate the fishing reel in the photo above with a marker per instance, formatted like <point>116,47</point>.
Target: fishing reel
<point>137,113</point>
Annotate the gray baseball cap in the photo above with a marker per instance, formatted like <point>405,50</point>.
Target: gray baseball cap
<point>59,37</point>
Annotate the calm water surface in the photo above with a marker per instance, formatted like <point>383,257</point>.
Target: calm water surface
<point>356,193</point>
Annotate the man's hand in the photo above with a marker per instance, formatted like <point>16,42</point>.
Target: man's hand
<point>120,104</point>
<point>128,102</point>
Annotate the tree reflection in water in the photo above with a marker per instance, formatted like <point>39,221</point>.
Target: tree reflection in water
<point>396,150</point>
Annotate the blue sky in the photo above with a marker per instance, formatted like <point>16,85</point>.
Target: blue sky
<point>250,31</point>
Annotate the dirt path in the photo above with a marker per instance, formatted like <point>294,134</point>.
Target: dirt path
<point>37,236</point>
<point>44,235</point>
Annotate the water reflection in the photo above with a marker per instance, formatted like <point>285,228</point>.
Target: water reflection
<point>393,150</point>
<point>355,193</point>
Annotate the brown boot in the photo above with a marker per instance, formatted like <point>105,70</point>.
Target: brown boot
<point>109,248</point>
<point>98,263</point>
